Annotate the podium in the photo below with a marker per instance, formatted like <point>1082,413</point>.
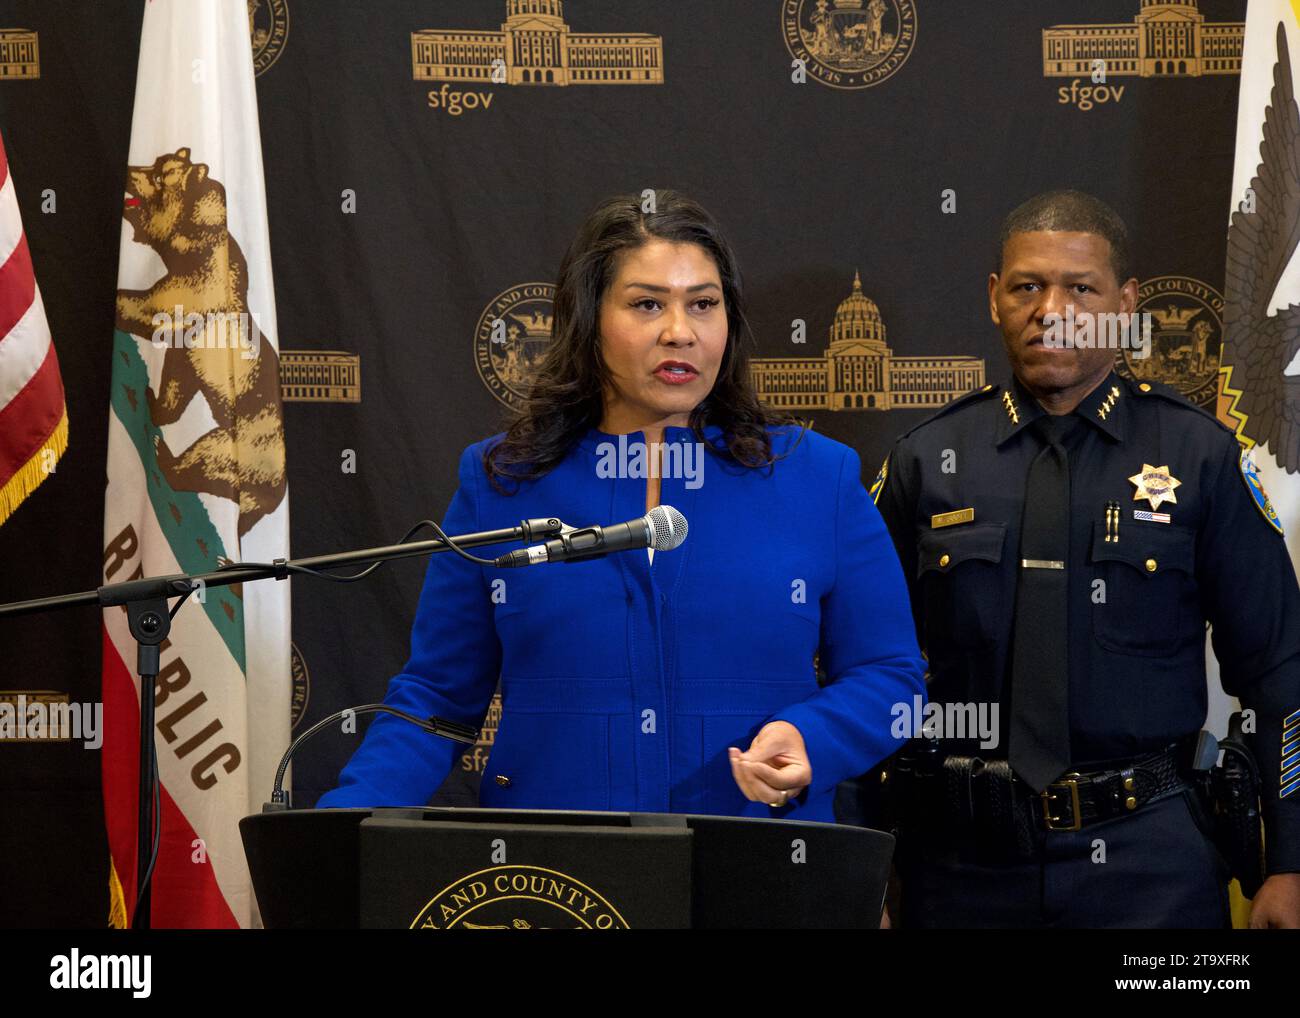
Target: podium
<point>454,868</point>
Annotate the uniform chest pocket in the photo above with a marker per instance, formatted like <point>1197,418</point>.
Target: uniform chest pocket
<point>1144,596</point>
<point>959,573</point>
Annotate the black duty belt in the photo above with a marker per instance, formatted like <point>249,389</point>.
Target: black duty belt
<point>986,799</point>
<point>1079,800</point>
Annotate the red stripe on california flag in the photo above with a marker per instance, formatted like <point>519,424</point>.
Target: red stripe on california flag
<point>119,765</point>
<point>185,894</point>
<point>28,419</point>
<point>17,287</point>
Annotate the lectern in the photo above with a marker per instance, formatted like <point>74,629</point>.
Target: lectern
<point>447,868</point>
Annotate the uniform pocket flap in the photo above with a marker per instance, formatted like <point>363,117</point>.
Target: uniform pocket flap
<point>942,550</point>
<point>1150,548</point>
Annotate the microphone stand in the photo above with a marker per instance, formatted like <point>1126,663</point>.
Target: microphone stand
<point>150,618</point>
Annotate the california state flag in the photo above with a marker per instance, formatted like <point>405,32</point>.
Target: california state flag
<point>196,467</point>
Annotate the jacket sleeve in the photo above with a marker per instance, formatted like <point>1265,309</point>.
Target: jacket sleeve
<point>895,497</point>
<point>868,646</point>
<point>1253,604</point>
<point>453,669</point>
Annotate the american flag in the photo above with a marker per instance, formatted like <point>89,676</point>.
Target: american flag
<point>33,414</point>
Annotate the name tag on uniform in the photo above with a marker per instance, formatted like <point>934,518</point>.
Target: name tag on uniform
<point>951,519</point>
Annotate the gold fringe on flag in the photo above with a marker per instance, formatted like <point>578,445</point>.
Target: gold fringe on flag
<point>1240,906</point>
<point>117,919</point>
<point>26,479</point>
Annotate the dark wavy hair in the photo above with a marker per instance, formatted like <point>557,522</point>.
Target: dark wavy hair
<point>566,395</point>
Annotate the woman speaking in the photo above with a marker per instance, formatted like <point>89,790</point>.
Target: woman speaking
<point>678,682</point>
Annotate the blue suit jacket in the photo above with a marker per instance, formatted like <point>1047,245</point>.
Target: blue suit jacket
<point>624,682</point>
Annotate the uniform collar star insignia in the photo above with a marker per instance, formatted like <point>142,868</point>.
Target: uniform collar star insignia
<point>1108,402</point>
<point>1104,407</point>
<point>1156,484</point>
<point>1018,411</point>
<point>1009,405</point>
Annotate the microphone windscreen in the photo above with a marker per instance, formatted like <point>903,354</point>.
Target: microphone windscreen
<point>667,526</point>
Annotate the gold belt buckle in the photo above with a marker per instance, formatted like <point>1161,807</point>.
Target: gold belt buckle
<point>1054,823</point>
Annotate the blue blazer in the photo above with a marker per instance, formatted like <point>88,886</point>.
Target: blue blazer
<point>624,681</point>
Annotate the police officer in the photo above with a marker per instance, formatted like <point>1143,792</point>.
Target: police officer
<point>1066,538</point>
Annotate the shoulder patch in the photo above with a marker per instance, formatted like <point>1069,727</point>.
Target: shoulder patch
<point>879,483</point>
<point>1250,474</point>
<point>974,396</point>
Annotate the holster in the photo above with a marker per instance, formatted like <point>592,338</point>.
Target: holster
<point>1234,797</point>
<point>930,793</point>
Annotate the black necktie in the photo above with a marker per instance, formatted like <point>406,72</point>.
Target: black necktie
<point>1039,735</point>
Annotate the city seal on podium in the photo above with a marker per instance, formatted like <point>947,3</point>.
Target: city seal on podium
<point>849,44</point>
<point>518,898</point>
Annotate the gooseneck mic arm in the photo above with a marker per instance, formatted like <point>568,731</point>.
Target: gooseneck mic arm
<point>453,730</point>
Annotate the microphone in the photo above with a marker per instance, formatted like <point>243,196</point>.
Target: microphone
<point>663,528</point>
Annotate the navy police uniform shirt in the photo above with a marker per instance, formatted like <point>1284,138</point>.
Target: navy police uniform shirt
<point>1194,541</point>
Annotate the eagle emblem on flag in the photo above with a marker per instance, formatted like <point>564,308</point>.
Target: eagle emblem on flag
<point>1262,239</point>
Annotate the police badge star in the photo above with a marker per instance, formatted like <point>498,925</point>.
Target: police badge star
<point>1156,484</point>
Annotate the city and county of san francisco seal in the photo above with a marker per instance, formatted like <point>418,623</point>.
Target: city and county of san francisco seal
<point>1186,338</point>
<point>300,690</point>
<point>849,43</point>
<point>511,336</point>
<point>268,29</point>
<point>518,898</point>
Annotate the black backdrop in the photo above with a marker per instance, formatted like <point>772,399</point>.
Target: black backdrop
<point>812,182</point>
